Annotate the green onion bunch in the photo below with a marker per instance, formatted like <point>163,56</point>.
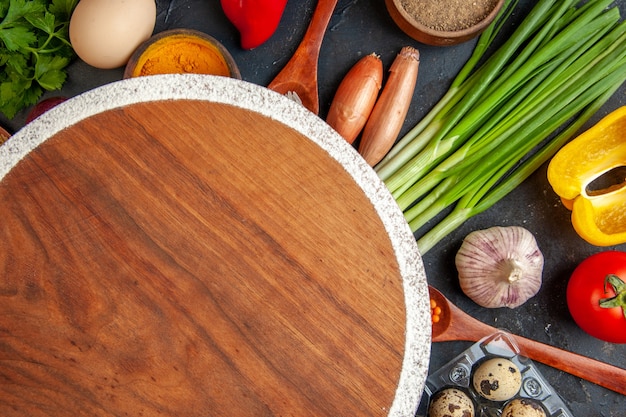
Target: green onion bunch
<point>506,114</point>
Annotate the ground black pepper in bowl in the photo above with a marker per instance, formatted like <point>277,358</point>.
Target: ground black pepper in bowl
<point>443,22</point>
<point>449,15</point>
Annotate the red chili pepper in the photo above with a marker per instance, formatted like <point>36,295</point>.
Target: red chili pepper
<point>256,20</point>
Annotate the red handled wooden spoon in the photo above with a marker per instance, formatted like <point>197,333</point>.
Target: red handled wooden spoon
<point>456,325</point>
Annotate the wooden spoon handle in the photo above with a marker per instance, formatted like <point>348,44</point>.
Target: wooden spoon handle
<point>300,73</point>
<point>312,41</point>
<point>600,373</point>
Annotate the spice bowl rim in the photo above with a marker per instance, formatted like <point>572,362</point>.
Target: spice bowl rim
<point>434,37</point>
<point>134,60</point>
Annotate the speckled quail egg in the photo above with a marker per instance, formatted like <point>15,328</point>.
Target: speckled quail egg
<point>523,407</point>
<point>451,402</point>
<point>497,379</point>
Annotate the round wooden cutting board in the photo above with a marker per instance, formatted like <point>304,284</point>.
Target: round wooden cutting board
<point>199,246</point>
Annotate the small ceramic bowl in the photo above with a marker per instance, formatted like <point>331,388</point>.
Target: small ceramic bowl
<point>179,51</point>
<point>419,31</point>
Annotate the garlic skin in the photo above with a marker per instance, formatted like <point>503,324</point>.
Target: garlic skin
<point>500,266</point>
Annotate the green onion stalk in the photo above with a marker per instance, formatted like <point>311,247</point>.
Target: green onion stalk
<point>506,114</point>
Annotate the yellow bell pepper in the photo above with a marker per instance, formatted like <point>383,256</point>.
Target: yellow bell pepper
<point>598,216</point>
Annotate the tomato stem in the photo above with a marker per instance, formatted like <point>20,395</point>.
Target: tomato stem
<point>619,287</point>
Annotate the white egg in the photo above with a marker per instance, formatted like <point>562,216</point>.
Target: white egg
<point>104,33</point>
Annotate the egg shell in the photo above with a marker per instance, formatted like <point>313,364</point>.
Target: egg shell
<point>451,402</point>
<point>104,33</point>
<point>497,379</point>
<point>522,407</point>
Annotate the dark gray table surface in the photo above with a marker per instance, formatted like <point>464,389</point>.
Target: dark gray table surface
<point>360,27</point>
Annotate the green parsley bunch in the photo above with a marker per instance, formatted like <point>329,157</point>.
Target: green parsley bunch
<point>34,50</point>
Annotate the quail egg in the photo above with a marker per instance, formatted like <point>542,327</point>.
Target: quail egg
<point>451,402</point>
<point>497,379</point>
<point>522,407</point>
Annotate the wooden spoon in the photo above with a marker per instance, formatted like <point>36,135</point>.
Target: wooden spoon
<point>4,135</point>
<point>455,324</point>
<point>299,76</point>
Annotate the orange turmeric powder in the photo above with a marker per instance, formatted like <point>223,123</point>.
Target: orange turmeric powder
<point>181,53</point>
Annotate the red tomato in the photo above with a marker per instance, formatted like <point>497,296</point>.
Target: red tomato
<point>586,288</point>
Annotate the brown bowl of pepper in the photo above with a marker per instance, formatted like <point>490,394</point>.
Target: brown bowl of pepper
<point>179,51</point>
<point>443,22</point>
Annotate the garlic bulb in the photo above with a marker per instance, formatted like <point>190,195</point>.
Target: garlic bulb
<point>500,266</point>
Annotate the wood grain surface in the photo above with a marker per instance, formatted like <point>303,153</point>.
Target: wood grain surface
<point>187,258</point>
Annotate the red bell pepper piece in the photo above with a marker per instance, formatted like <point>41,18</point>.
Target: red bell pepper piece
<point>256,20</point>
